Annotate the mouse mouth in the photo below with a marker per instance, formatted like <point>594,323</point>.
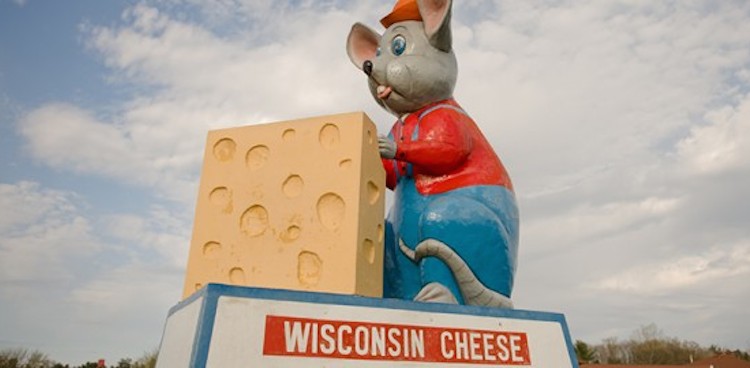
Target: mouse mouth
<point>384,91</point>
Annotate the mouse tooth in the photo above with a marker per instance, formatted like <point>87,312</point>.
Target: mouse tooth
<point>384,92</point>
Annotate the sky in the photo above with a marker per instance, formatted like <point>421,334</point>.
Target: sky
<point>625,126</point>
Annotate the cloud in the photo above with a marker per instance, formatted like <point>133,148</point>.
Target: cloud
<point>42,233</point>
<point>623,126</point>
<point>581,85</point>
<point>673,275</point>
<point>589,223</point>
<point>193,80</point>
<point>190,62</point>
<point>99,299</point>
<point>160,232</point>
<point>722,144</point>
<point>68,138</point>
<point>618,73</point>
<point>64,267</point>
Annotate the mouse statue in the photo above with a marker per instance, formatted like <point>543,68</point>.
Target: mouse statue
<point>452,233</point>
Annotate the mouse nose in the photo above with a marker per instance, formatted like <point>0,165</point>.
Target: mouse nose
<point>367,67</point>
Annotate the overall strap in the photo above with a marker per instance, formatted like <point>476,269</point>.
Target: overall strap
<point>399,132</point>
<point>440,106</point>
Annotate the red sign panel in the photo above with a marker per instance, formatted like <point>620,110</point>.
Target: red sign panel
<point>306,337</point>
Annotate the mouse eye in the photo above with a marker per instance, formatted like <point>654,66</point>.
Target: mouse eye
<point>398,45</point>
<point>377,52</point>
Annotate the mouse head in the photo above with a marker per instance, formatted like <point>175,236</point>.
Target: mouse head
<point>412,64</point>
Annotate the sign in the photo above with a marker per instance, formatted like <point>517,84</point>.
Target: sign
<point>304,337</point>
<point>229,326</point>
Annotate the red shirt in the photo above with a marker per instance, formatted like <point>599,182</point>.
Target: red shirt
<point>443,149</point>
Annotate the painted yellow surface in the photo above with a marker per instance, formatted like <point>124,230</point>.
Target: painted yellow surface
<point>292,205</point>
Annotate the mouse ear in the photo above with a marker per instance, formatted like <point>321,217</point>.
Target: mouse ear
<point>362,44</point>
<point>436,16</point>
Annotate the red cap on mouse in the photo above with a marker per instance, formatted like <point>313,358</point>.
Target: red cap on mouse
<point>403,10</point>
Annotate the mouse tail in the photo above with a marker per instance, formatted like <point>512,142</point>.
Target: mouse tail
<point>472,290</point>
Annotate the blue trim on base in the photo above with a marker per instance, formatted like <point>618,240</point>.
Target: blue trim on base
<point>189,300</point>
<point>211,293</point>
<point>205,329</point>
<point>569,343</point>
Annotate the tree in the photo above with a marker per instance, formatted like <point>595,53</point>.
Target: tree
<point>22,358</point>
<point>648,345</point>
<point>148,360</point>
<point>585,353</point>
<point>611,351</point>
<point>88,365</point>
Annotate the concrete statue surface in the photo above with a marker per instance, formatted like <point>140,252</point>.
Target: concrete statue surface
<point>452,233</point>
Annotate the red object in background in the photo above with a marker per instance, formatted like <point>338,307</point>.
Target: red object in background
<point>100,364</point>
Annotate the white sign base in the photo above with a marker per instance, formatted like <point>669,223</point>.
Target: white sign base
<point>224,326</point>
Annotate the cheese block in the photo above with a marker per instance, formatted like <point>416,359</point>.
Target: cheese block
<point>292,205</point>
